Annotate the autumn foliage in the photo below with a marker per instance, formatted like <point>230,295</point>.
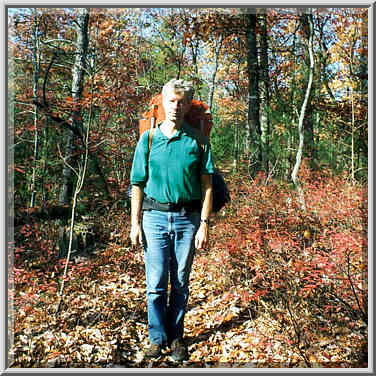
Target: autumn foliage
<point>276,288</point>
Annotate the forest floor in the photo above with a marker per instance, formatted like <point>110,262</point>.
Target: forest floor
<point>102,319</point>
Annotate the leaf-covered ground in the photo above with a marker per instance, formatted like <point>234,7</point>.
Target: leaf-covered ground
<point>270,291</point>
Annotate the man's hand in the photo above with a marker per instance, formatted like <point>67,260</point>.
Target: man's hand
<point>136,205</point>
<point>202,236</point>
<point>136,234</point>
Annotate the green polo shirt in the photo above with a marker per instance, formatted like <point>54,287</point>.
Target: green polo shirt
<point>175,166</point>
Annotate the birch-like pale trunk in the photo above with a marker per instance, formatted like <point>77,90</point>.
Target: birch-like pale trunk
<point>36,68</point>
<point>299,153</point>
<point>264,92</point>
<point>218,45</point>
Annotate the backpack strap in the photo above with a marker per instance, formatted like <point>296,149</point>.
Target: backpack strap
<point>152,127</point>
<point>150,140</point>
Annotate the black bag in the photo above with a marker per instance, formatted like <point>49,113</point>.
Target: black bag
<point>221,194</point>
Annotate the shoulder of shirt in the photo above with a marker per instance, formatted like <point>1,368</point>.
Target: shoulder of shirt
<point>143,140</point>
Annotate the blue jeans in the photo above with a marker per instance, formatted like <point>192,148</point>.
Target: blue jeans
<point>168,252</point>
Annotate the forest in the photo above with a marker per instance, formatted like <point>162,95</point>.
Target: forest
<point>284,280</point>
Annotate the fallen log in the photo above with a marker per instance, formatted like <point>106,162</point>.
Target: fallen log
<point>24,216</point>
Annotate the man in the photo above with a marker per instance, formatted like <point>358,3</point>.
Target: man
<point>171,184</point>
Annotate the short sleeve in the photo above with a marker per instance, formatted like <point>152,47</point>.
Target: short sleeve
<point>207,166</point>
<point>139,172</point>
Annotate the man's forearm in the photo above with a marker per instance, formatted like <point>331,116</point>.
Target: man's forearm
<point>207,204</point>
<point>202,235</point>
<point>136,204</point>
<point>207,197</point>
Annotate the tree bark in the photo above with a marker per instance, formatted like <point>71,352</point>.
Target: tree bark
<point>236,146</point>
<point>308,118</point>
<point>45,159</point>
<point>194,50</point>
<point>292,122</point>
<point>36,68</point>
<point>264,92</point>
<point>218,45</point>
<point>299,153</point>
<point>308,129</point>
<point>78,75</point>
<point>352,136</point>
<point>70,160</point>
<point>253,121</point>
<point>324,55</point>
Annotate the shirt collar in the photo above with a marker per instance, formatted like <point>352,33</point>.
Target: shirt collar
<point>178,133</point>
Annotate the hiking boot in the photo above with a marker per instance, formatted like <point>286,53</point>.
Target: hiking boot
<point>154,351</point>
<point>179,350</point>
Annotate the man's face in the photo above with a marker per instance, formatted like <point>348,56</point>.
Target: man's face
<point>176,105</point>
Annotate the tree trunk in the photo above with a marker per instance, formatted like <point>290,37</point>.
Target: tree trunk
<point>45,159</point>
<point>308,130</point>
<point>253,121</point>
<point>308,118</point>
<point>299,153</point>
<point>70,161</point>
<point>218,45</point>
<point>352,136</point>
<point>180,63</point>
<point>264,92</point>
<point>324,55</point>
<point>236,143</point>
<point>78,74</point>
<point>195,49</point>
<point>292,122</point>
<point>36,68</point>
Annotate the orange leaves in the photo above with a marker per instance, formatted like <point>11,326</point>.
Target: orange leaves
<point>16,168</point>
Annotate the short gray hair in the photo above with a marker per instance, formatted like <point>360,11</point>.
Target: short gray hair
<point>179,86</point>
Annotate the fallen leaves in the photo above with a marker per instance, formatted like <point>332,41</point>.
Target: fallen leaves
<point>235,315</point>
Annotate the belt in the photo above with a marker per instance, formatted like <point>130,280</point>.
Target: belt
<point>151,204</point>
